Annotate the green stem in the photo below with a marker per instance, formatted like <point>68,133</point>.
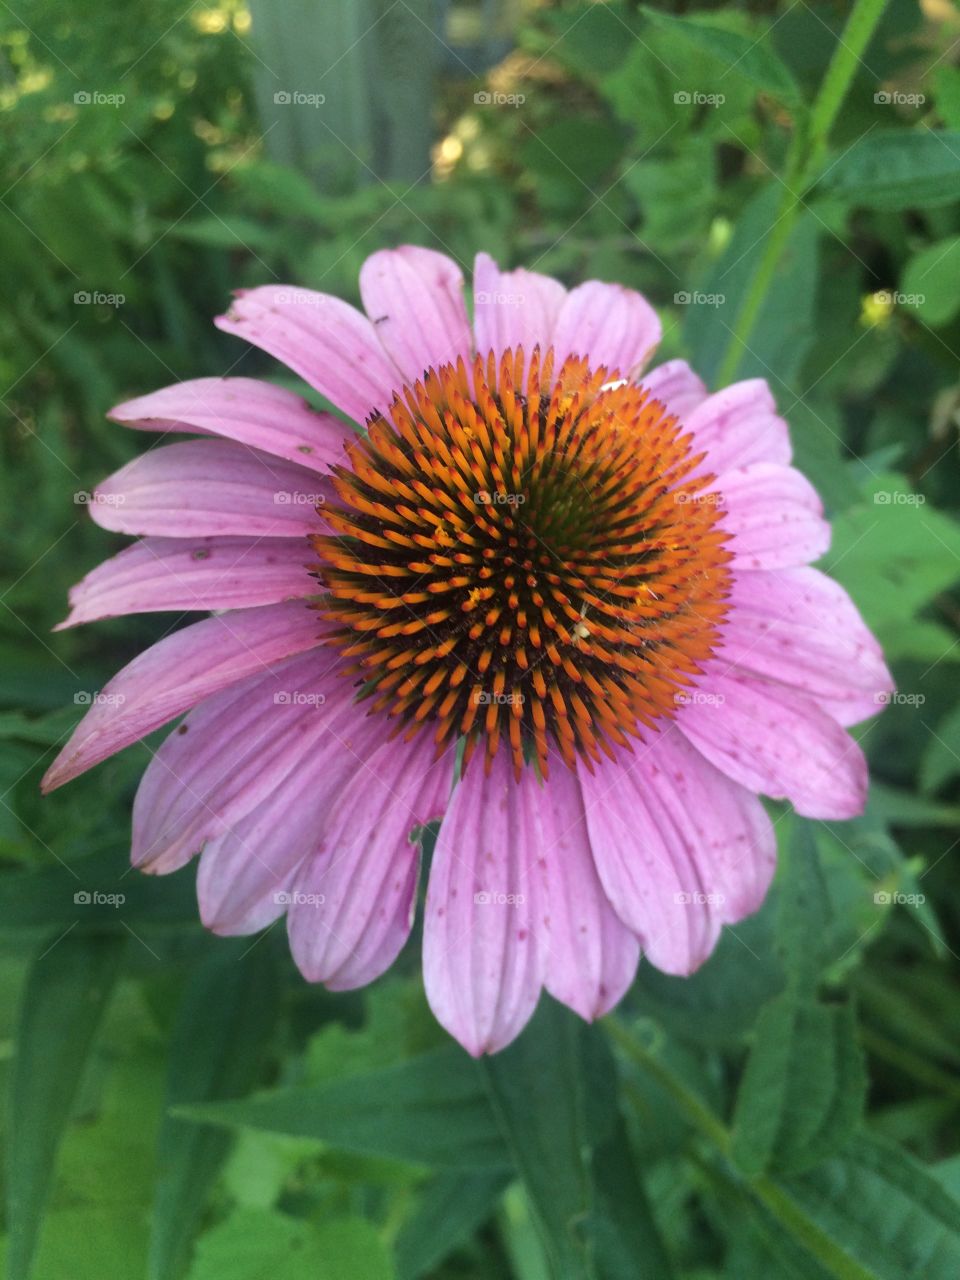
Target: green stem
<point>775,1198</point>
<point>804,160</point>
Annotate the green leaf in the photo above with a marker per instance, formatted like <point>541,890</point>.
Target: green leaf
<point>64,998</point>
<point>930,281</point>
<point>784,328</point>
<point>431,1110</point>
<point>886,1212</point>
<point>941,759</point>
<point>745,54</point>
<point>450,1209</point>
<point>224,1025</point>
<point>553,1091</point>
<point>804,912</point>
<point>254,1244</point>
<point>897,169</point>
<point>804,1087</point>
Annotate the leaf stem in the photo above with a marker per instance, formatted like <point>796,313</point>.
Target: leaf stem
<point>804,160</point>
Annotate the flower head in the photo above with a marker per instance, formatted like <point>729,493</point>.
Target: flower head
<point>557,605</point>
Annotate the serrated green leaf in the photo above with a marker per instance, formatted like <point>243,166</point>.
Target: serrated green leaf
<point>897,169</point>
<point>431,1110</point>
<point>803,1090</point>
<point>929,281</point>
<point>449,1209</point>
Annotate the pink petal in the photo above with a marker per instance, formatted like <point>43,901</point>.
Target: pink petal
<point>773,740</point>
<point>608,325</point>
<point>176,673</point>
<point>679,848</point>
<point>156,574</point>
<point>482,958</point>
<point>513,308</point>
<point>414,297</point>
<point>774,516</point>
<point>246,875</point>
<point>246,410</point>
<point>800,627</point>
<point>232,751</point>
<point>200,488</point>
<point>737,426</point>
<point>590,955</point>
<point>354,896</point>
<point>675,385</point>
<point>326,341</point>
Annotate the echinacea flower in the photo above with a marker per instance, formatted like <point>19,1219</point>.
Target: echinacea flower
<point>564,612</point>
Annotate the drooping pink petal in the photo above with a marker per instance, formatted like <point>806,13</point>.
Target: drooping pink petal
<point>675,385</point>
<point>482,958</point>
<point>414,298</point>
<point>737,426</point>
<point>200,488</point>
<point>326,341</point>
<point>590,956</point>
<point>776,741</point>
<point>157,574</point>
<point>354,895</point>
<point>247,874</point>
<point>513,308</point>
<point>247,410</point>
<point>607,325</point>
<point>800,627</point>
<point>176,673</point>
<point>232,751</point>
<point>774,515</point>
<point>680,849</point>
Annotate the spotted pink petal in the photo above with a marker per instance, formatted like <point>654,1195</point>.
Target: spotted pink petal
<point>775,741</point>
<point>675,385</point>
<point>250,412</point>
<point>482,958</point>
<point>209,488</point>
<point>774,515</point>
<point>680,849</point>
<point>354,894</point>
<point>158,574</point>
<point>176,673</point>
<point>329,343</point>
<point>738,426</point>
<point>801,628</point>
<point>590,956</point>
<point>414,298</point>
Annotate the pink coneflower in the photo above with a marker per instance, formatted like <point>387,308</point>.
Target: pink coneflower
<point>566,613</point>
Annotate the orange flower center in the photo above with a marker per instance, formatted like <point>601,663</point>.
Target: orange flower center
<point>524,558</point>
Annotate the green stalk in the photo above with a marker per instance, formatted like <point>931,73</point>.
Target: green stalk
<point>804,160</point>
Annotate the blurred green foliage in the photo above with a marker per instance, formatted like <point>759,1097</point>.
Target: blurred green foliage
<point>792,1109</point>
